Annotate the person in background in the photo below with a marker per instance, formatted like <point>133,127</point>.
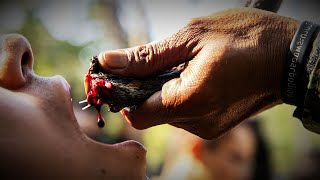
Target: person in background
<point>241,154</point>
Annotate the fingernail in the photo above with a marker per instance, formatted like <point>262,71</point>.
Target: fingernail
<point>113,59</point>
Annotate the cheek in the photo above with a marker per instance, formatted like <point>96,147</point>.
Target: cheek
<point>53,95</point>
<point>17,112</point>
<point>219,165</point>
<point>213,162</point>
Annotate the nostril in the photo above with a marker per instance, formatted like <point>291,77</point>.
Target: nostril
<point>25,59</point>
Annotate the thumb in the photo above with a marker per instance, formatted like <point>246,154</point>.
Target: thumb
<point>148,59</point>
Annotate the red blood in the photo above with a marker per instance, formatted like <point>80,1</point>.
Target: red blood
<point>93,86</point>
<point>100,118</point>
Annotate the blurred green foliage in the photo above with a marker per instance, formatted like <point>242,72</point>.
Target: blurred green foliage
<point>288,141</point>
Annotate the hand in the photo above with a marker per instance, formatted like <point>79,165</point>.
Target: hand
<point>234,58</point>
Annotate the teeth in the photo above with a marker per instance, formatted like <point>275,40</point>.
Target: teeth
<point>86,107</point>
<point>84,101</point>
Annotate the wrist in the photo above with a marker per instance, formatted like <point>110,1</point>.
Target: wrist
<point>276,56</point>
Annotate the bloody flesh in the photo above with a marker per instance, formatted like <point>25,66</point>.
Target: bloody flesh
<point>94,87</point>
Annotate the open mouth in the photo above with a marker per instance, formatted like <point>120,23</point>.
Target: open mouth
<point>121,92</point>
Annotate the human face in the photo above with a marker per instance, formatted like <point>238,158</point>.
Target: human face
<point>233,157</point>
<point>39,134</point>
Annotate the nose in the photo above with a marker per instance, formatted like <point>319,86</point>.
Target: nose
<point>16,61</point>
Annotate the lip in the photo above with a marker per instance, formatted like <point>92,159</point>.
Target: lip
<point>129,144</point>
<point>132,145</point>
<point>66,86</point>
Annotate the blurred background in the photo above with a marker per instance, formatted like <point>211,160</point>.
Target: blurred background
<point>64,35</point>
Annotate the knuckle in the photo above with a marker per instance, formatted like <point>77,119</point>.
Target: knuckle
<point>197,26</point>
<point>187,39</point>
<point>195,22</point>
<point>143,59</point>
<point>142,54</point>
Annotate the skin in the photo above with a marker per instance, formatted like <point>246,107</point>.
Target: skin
<point>235,61</point>
<point>39,134</point>
<point>233,156</point>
